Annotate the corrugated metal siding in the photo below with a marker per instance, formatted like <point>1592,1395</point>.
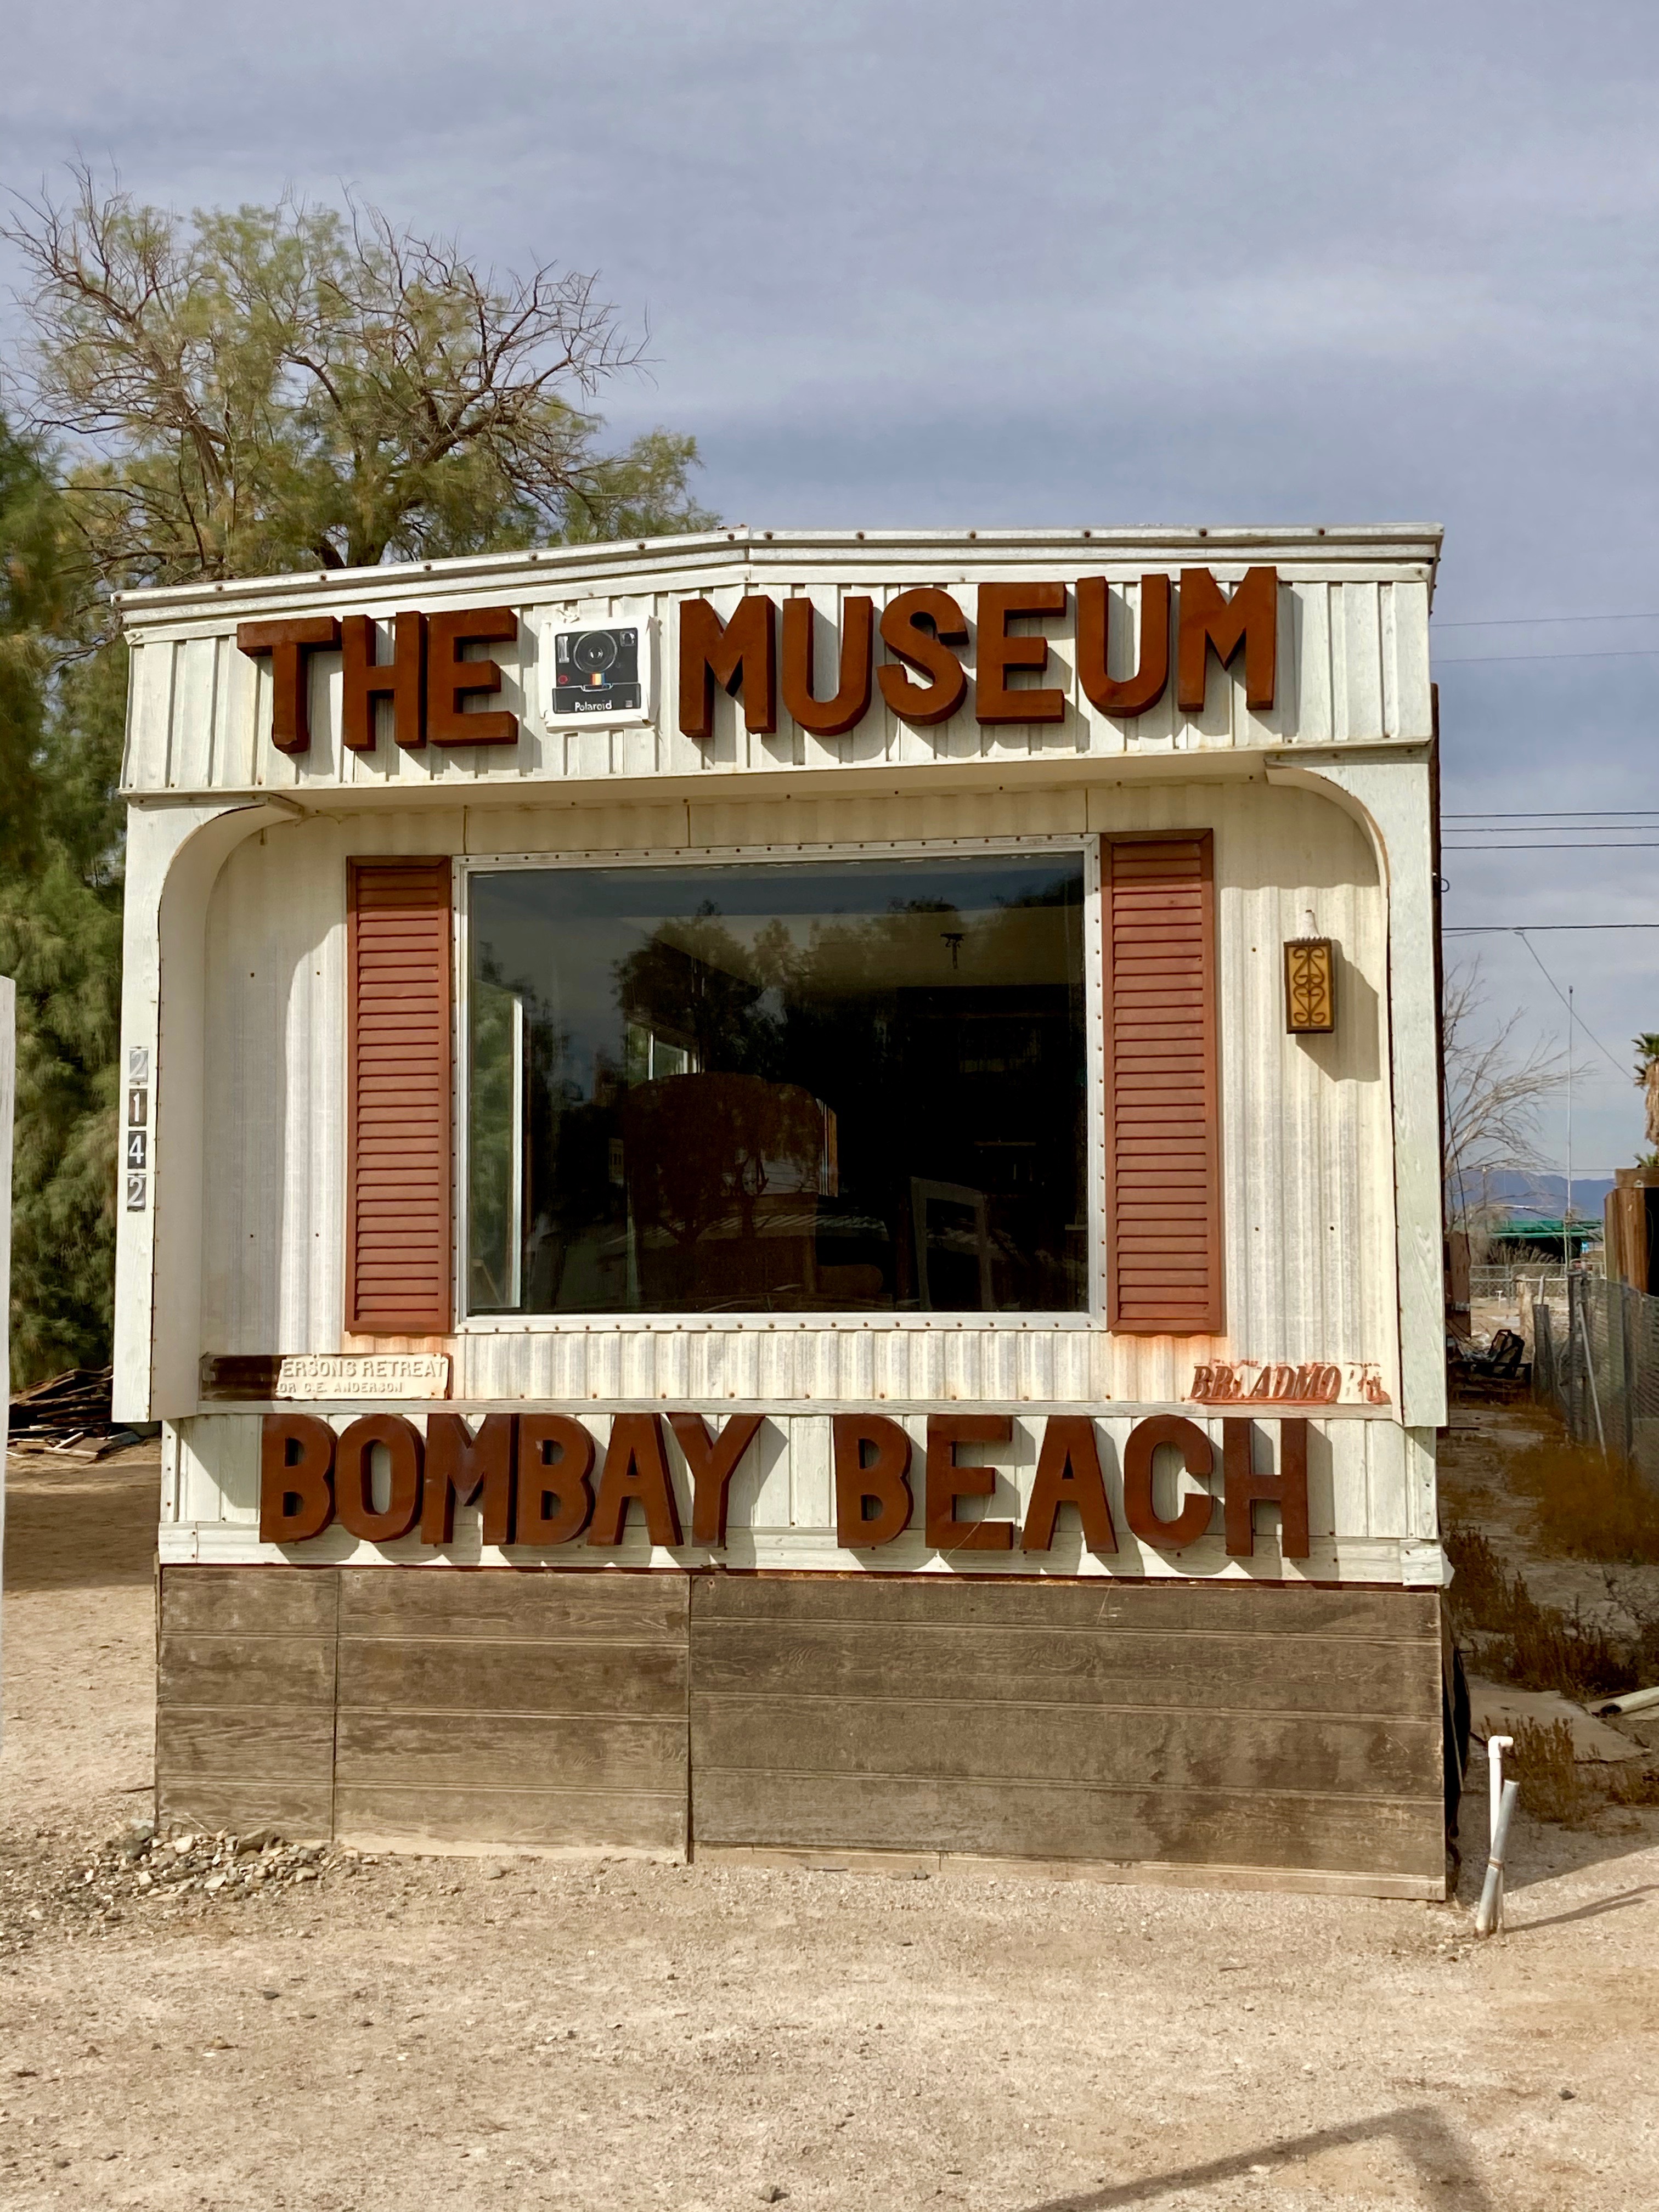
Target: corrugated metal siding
<point>1306,1167</point>
<point>1353,661</point>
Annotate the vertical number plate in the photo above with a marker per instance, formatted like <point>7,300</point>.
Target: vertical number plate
<point>138,1131</point>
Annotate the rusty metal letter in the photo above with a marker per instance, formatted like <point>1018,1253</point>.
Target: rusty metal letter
<point>1129,695</point>
<point>946,1482</point>
<point>881,1481</point>
<point>1139,1507</point>
<point>741,654</point>
<point>1068,1474</point>
<point>1246,1487</point>
<point>290,646</point>
<point>713,1462</point>
<point>1249,618</point>
<point>296,1465</point>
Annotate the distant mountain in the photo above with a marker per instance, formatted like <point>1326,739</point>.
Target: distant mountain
<point>1546,1193</point>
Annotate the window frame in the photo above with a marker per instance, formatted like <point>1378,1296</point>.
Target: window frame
<point>1091,1316</point>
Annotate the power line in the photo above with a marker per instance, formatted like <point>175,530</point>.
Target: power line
<point>1536,622</point>
<point>1556,814</point>
<point>1544,845</point>
<point>1610,653</point>
<point>1573,1015</point>
<point>1520,928</point>
<point>1562,845</point>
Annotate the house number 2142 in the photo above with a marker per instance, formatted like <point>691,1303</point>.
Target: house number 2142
<point>138,1128</point>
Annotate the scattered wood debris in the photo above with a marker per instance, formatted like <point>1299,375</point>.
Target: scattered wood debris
<point>68,1416</point>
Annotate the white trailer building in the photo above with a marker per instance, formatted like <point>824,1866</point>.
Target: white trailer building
<point>782,1194</point>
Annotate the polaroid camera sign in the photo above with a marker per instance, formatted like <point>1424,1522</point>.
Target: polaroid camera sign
<point>532,1475</point>
<point>597,671</point>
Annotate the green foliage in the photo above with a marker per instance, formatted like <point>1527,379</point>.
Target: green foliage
<point>82,814</point>
<point>60,930</point>
<point>29,568</point>
<point>641,493</point>
<point>60,939</point>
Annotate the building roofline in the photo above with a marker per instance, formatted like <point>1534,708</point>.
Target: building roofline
<point>641,562</point>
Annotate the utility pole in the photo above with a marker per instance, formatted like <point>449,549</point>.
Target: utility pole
<point>1566,1219</point>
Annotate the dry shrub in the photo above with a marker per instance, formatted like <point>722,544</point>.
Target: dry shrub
<point>1480,1589</point>
<point>1552,1787</point>
<point>1538,1647</point>
<point>1584,1506</point>
<point>1635,1785</point>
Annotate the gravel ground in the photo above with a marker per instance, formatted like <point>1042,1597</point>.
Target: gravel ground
<point>245,2023</point>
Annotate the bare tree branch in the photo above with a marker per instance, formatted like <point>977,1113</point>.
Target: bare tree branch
<point>1495,1090</point>
<point>272,387</point>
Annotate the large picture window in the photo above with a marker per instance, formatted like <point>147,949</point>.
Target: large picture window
<point>823,1086</point>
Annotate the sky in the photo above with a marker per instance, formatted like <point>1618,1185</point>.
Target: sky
<point>1066,262</point>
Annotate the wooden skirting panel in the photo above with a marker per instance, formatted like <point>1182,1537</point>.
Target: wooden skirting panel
<point>1296,1731</point>
<point>538,1711</point>
<point>544,1711</point>
<point>1266,1734</point>
<point>245,1698</point>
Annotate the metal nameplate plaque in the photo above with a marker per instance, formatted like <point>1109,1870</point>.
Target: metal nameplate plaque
<point>363,1375</point>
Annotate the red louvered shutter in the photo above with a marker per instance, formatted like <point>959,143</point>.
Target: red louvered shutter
<point>1162,1133</point>
<point>398,1169</point>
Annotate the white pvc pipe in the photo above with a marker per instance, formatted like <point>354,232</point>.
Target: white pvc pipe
<point>1490,1914</point>
<point>1633,1701</point>
<point>1496,1747</point>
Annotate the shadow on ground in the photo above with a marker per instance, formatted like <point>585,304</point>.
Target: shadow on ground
<point>1418,2132</point>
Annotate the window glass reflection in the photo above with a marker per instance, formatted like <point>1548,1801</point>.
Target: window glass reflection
<point>835,1086</point>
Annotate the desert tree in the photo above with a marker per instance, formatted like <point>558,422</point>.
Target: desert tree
<point>1495,1087</point>
<point>233,393</point>
<point>244,391</point>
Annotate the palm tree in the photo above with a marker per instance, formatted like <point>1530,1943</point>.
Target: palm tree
<point>1647,1074</point>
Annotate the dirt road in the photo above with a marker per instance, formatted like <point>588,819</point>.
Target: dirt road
<point>465,2033</point>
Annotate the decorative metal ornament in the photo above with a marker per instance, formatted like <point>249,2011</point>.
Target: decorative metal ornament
<point>1309,985</point>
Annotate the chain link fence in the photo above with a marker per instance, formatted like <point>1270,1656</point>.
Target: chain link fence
<point>1595,1360</point>
<point>1520,1280</point>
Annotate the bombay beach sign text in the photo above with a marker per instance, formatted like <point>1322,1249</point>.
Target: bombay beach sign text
<point>766,656</point>
<point>540,1481</point>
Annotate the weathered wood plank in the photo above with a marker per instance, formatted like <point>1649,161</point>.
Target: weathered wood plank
<point>1027,1666</point>
<point>1080,1745</point>
<point>1049,1821</point>
<point>250,1601</point>
<point>496,1751</point>
<point>531,1818</point>
<point>479,1605</point>
<point>269,1744</point>
<point>628,1680</point>
<point>1207,1609</point>
<point>246,1671</point>
<point>294,1809</point>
